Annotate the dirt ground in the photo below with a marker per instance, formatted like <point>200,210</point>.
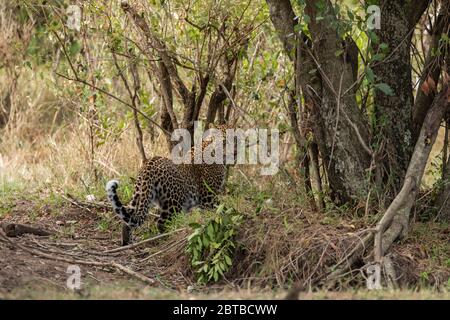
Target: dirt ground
<point>36,267</point>
<point>77,232</point>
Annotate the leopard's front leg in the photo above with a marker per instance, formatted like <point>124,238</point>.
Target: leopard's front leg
<point>166,214</point>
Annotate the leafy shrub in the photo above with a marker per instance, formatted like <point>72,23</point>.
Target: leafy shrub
<point>211,246</point>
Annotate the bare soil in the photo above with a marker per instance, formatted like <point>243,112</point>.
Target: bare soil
<point>76,230</point>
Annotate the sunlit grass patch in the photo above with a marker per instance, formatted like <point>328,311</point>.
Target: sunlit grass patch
<point>9,193</point>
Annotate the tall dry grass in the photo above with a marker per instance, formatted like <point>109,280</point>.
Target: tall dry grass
<point>47,141</point>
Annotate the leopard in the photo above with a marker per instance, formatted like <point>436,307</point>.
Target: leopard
<point>170,188</point>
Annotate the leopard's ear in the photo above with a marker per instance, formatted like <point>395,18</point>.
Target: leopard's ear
<point>222,127</point>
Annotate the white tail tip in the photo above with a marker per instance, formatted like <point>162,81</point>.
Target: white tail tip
<point>112,184</point>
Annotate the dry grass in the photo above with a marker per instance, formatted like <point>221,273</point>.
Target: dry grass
<point>277,249</point>
<point>48,142</point>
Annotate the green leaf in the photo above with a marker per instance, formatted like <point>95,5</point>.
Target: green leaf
<point>194,225</point>
<point>385,88</point>
<point>306,19</point>
<point>350,14</point>
<point>339,52</point>
<point>370,75</point>
<point>384,46</point>
<point>215,245</point>
<point>220,208</point>
<point>220,270</point>
<point>210,231</point>
<point>74,48</point>
<point>374,37</point>
<point>378,57</point>
<point>205,241</point>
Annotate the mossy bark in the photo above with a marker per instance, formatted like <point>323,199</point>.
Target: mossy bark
<point>394,113</point>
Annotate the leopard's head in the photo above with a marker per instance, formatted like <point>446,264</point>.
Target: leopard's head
<point>218,134</point>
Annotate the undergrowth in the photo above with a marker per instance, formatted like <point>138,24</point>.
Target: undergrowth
<point>211,245</point>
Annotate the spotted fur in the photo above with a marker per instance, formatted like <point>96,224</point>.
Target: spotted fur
<point>170,188</point>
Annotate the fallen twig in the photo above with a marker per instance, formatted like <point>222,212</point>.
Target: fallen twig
<point>134,245</point>
<point>84,204</point>
<point>163,250</point>
<point>17,230</point>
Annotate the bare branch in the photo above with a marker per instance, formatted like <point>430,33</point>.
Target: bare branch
<point>161,48</point>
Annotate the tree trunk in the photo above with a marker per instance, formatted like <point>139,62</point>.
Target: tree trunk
<point>394,112</point>
<point>443,199</point>
<point>339,127</point>
<point>6,98</point>
<point>5,108</point>
<point>432,69</point>
<point>345,131</point>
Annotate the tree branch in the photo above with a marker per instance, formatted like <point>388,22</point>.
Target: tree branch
<point>398,212</point>
<point>161,48</point>
<point>282,16</point>
<point>432,70</point>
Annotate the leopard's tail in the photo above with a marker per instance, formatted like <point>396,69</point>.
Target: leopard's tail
<point>118,207</point>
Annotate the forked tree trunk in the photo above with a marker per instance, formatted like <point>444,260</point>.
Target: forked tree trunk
<point>170,80</point>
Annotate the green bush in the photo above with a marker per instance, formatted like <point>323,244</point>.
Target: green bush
<point>211,246</point>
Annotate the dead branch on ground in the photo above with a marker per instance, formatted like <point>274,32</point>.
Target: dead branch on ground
<point>17,230</point>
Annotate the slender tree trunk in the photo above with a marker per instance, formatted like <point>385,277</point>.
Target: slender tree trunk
<point>5,106</point>
<point>443,200</point>
<point>313,152</point>
<point>395,222</point>
<point>136,102</point>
